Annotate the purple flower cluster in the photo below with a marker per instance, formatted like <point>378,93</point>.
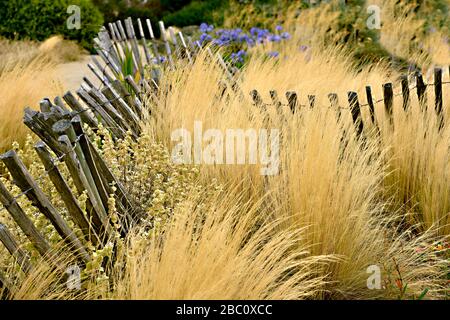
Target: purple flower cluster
<point>237,41</point>
<point>204,27</point>
<point>239,56</point>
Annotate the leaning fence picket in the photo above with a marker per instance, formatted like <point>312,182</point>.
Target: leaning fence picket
<point>14,249</point>
<point>34,193</point>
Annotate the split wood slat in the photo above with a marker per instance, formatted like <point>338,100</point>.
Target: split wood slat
<point>64,190</point>
<point>65,127</point>
<point>84,113</point>
<point>26,183</point>
<point>13,248</point>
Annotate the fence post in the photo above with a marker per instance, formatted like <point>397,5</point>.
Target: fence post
<point>356,112</point>
<point>312,101</point>
<point>334,102</point>
<point>371,104</point>
<point>256,98</point>
<point>405,92</point>
<point>292,100</point>
<point>275,100</point>
<point>134,45</point>
<point>388,96</point>
<point>438,95</point>
<point>421,92</point>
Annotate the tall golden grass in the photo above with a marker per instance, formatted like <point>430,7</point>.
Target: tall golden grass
<point>343,197</point>
<point>28,74</point>
<point>214,251</point>
<point>338,206</point>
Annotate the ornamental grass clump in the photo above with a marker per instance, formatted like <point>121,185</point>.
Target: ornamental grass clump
<point>153,183</point>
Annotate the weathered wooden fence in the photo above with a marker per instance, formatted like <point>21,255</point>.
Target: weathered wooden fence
<point>354,105</point>
<point>119,104</point>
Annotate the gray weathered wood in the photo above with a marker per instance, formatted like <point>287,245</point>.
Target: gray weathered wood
<point>26,183</point>
<point>185,47</point>
<point>166,43</point>
<point>13,248</point>
<point>32,121</point>
<point>101,100</point>
<point>148,56</point>
<point>78,128</point>
<point>66,127</point>
<point>22,220</point>
<point>132,121</point>
<point>64,190</point>
<point>152,39</point>
<point>109,179</point>
<point>107,121</point>
<point>45,105</point>
<point>133,102</point>
<point>83,112</point>
<point>134,45</point>
<point>97,213</point>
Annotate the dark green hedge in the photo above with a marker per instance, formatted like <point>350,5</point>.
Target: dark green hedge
<point>197,12</point>
<point>40,19</point>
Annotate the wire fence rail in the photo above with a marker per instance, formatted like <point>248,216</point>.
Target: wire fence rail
<point>354,105</point>
<point>119,104</point>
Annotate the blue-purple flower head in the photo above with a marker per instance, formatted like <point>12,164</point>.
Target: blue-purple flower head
<point>274,38</point>
<point>238,56</point>
<point>160,59</point>
<point>204,27</point>
<point>273,54</point>
<point>205,38</point>
<point>254,31</point>
<point>237,39</point>
<point>285,35</point>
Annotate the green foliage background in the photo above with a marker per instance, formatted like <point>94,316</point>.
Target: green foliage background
<point>40,19</point>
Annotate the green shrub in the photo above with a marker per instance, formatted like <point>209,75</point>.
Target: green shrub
<point>40,19</point>
<point>197,12</point>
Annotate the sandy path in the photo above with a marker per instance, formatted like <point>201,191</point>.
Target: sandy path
<point>71,74</point>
